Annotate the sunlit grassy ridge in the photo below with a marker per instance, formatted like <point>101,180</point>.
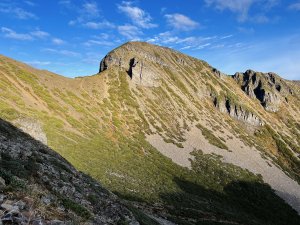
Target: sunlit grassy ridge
<point>100,123</point>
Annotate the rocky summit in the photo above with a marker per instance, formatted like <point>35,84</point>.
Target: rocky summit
<point>170,139</point>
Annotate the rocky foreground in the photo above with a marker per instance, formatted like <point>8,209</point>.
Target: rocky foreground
<point>38,186</point>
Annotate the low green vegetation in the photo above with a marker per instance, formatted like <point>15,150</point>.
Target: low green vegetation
<point>212,139</point>
<point>76,208</point>
<point>286,159</point>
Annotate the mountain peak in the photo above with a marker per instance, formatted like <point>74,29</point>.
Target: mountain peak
<point>269,88</point>
<point>144,62</point>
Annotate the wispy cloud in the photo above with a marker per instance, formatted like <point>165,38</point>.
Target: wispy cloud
<point>62,52</point>
<point>39,34</point>
<point>88,15</point>
<point>137,15</point>
<point>183,43</point>
<point>295,6</point>
<point>246,30</point>
<point>99,25</point>
<point>16,12</point>
<point>33,35</point>
<point>98,42</point>
<point>129,31</point>
<point>181,22</point>
<point>203,46</point>
<point>58,41</point>
<point>86,12</point>
<point>9,33</point>
<point>227,36</point>
<point>91,8</point>
<point>103,39</point>
<point>38,63</point>
<point>30,3</point>
<point>242,8</point>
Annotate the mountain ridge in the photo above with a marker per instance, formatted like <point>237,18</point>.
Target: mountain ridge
<point>162,112</point>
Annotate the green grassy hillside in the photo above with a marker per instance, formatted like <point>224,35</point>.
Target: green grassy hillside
<point>100,124</point>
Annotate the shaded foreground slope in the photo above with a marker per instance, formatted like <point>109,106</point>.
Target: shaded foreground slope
<point>108,125</point>
<point>38,186</point>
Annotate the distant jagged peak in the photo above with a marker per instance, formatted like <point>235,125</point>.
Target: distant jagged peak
<point>269,88</point>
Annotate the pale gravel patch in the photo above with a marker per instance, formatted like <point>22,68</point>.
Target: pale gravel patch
<point>241,155</point>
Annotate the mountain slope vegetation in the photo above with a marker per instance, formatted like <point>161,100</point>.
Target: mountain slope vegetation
<point>170,134</point>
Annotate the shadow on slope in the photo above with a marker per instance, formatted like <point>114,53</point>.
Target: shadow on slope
<point>31,170</point>
<point>240,202</point>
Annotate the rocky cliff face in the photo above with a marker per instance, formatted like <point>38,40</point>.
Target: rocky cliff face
<point>238,112</point>
<point>38,186</point>
<point>268,88</point>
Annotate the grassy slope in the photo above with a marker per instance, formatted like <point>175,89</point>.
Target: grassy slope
<point>102,131</point>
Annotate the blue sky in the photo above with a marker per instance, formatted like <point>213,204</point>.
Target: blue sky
<point>70,37</point>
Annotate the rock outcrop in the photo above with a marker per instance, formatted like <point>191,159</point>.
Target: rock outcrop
<point>143,67</point>
<point>268,88</point>
<point>237,111</point>
<point>45,178</point>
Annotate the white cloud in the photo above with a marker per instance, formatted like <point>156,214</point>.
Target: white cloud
<point>91,9</point>
<point>242,8</point>
<point>183,43</point>
<point>98,42</point>
<point>186,47</point>
<point>191,42</point>
<point>17,12</point>
<point>246,30</point>
<point>38,63</point>
<point>39,34</point>
<point>58,41</point>
<point>181,22</point>
<point>137,15</point>
<point>130,32</point>
<point>88,15</point>
<point>103,39</point>
<point>9,33</point>
<point>86,12</point>
<point>203,46</point>
<point>33,35</point>
<point>295,6</point>
<point>237,6</point>
<point>227,36</point>
<point>62,52</point>
<point>99,25</point>
<point>30,3</point>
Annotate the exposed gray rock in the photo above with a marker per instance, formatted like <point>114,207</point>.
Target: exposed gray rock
<point>268,88</point>
<point>46,200</point>
<point>8,206</point>
<point>108,61</point>
<point>218,73</point>
<point>57,222</point>
<point>53,173</point>
<point>238,112</point>
<point>2,197</point>
<point>38,222</point>
<point>143,75</point>
<point>2,183</point>
<point>20,205</point>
